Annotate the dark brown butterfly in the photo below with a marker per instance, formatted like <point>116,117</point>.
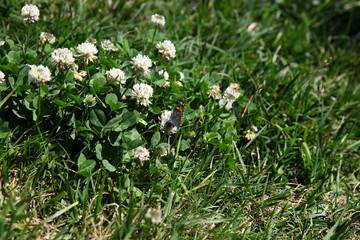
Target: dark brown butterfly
<point>177,115</point>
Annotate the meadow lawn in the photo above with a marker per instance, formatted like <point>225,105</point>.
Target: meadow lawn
<point>180,119</point>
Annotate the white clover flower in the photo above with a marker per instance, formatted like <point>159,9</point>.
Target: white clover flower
<point>165,74</point>
<point>154,215</point>
<point>223,102</point>
<point>107,45</point>
<point>166,49</point>
<point>47,37</point>
<point>30,13</point>
<point>142,154</point>
<point>62,58</point>
<point>89,100</point>
<point>142,93</point>
<point>2,77</point>
<point>179,83</point>
<point>230,96</point>
<point>141,64</point>
<point>161,150</point>
<point>2,43</point>
<point>181,76</point>
<point>39,74</point>
<point>116,75</point>
<point>214,92</point>
<point>166,124</point>
<point>158,19</point>
<point>87,52</point>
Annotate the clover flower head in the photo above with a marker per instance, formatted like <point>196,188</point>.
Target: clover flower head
<point>2,43</point>
<point>91,40</point>
<point>89,100</point>
<point>116,75</point>
<point>230,96</point>
<point>79,76</point>
<point>142,93</point>
<point>2,77</point>
<point>249,135</point>
<point>166,49</point>
<point>235,86</point>
<point>166,124</point>
<point>142,154</point>
<point>87,52</point>
<point>30,13</point>
<point>39,74</point>
<point>158,19</point>
<point>141,64</point>
<point>154,215</point>
<point>107,45</point>
<point>46,37</point>
<point>252,26</point>
<point>214,92</point>
<point>164,73</point>
<point>62,58</point>
<point>181,76</point>
<point>161,150</point>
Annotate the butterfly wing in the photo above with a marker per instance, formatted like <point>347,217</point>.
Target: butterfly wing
<point>177,115</point>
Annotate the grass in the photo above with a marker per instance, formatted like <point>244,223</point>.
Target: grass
<point>67,171</point>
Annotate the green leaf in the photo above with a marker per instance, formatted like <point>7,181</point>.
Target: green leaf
<point>85,166</point>
<point>113,123</point>
<point>98,151</point>
<point>14,57</point>
<point>155,139</point>
<point>108,166</point>
<point>212,138</point>
<point>185,144</point>
<point>4,131</point>
<point>112,100</point>
<point>97,117</point>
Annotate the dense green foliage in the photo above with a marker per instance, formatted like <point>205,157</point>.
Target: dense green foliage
<point>68,170</point>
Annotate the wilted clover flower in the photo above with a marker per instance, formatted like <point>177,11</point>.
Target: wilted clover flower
<point>158,19</point>
<point>116,75</point>
<point>107,45</point>
<point>235,86</point>
<point>62,58</point>
<point>78,76</point>
<point>47,37</point>
<point>87,52</point>
<point>166,124</point>
<point>2,77</point>
<point>214,92</point>
<point>39,74</point>
<point>30,13</point>
<point>142,93</point>
<point>249,135</point>
<point>154,215</point>
<point>230,96</point>
<point>142,154</point>
<point>89,100</point>
<point>166,49</point>
<point>141,64</point>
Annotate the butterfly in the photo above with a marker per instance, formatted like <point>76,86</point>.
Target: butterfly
<point>177,115</point>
